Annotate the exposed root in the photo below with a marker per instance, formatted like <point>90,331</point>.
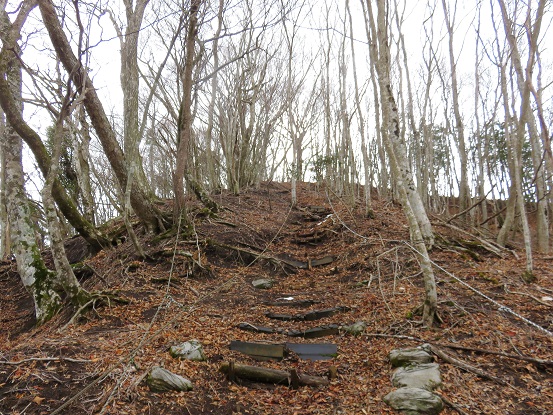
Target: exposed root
<point>94,300</point>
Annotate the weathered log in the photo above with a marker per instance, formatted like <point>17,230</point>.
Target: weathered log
<point>266,375</point>
<point>297,304</point>
<point>258,329</point>
<point>260,351</point>
<point>315,332</point>
<point>462,365</point>
<point>313,351</point>
<point>310,316</point>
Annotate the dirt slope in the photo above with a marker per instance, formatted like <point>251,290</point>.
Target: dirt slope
<point>200,288</point>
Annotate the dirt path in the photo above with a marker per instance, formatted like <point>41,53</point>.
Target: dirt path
<point>194,289</point>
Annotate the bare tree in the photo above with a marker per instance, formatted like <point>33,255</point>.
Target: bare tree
<point>380,57</point>
<point>185,113</point>
<point>214,177</point>
<point>526,116</point>
<point>10,105</point>
<point>360,120</point>
<point>141,198</point>
<point>464,191</point>
<point>43,284</point>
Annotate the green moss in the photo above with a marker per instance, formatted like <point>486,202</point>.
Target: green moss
<point>529,277</point>
<point>47,300</point>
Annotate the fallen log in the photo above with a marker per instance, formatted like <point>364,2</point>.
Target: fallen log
<point>463,365</point>
<point>266,375</point>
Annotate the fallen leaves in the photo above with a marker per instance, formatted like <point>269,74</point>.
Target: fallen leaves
<point>226,298</point>
<point>38,400</point>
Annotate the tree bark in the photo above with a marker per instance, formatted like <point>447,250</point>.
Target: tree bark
<point>395,145</point>
<point>141,200</point>
<point>262,374</point>
<point>64,276</point>
<point>397,156</point>
<point>185,116</point>
<point>526,116</point>
<point>5,245</point>
<point>213,175</point>
<point>36,278</point>
<point>464,191</point>
<point>361,121</point>
<point>15,119</point>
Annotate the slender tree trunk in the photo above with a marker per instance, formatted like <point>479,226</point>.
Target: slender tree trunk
<point>394,146</point>
<point>83,165</point>
<point>361,121</point>
<point>385,182</point>
<point>479,138</point>
<point>527,119</point>
<point>185,119</point>
<point>393,127</point>
<point>64,275</point>
<point>5,246</point>
<point>464,191</point>
<point>214,179</point>
<point>130,87</point>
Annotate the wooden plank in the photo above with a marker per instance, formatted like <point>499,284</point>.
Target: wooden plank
<point>305,265</point>
<point>263,350</point>
<point>297,303</point>
<point>318,209</point>
<point>257,329</point>
<point>310,316</point>
<point>313,351</point>
<point>322,331</point>
<point>322,261</point>
<point>283,317</point>
<point>318,314</point>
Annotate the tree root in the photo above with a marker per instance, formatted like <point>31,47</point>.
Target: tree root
<point>93,300</point>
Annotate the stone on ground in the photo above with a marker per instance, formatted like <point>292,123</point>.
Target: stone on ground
<point>263,283</point>
<point>190,350</point>
<point>162,380</point>
<point>404,357</point>
<point>414,401</point>
<point>424,376</point>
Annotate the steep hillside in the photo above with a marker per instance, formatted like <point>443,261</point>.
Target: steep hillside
<point>330,267</point>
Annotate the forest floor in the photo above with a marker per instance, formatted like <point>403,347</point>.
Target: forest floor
<point>200,288</point>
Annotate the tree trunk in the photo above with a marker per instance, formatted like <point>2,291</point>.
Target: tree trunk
<point>361,121</point>
<point>185,118</point>
<point>527,119</point>
<point>5,246</point>
<point>213,176</point>
<point>141,200</point>
<point>36,278</point>
<point>83,166</point>
<point>15,120</point>
<point>64,276</point>
<point>130,85</point>
<point>389,107</point>
<point>464,191</point>
<point>400,169</point>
